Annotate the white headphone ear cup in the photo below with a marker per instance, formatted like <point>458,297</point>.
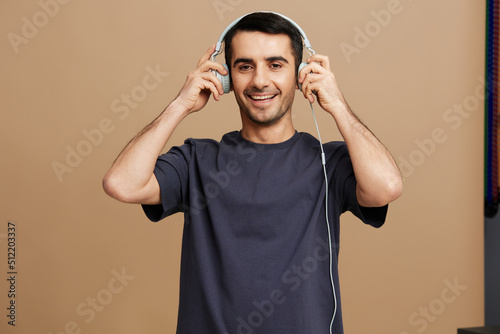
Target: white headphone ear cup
<point>224,79</point>
<point>301,66</point>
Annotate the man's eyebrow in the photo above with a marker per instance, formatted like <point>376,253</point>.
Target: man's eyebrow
<point>277,58</point>
<point>250,60</point>
<point>242,60</point>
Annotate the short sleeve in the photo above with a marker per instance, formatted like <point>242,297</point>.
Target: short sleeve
<point>374,216</point>
<point>171,171</point>
<point>343,186</point>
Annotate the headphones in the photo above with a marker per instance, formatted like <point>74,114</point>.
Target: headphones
<point>225,79</point>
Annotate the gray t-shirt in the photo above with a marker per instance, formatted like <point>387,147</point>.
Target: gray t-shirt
<point>255,253</point>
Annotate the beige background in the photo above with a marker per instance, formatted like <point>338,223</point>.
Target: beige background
<point>414,80</point>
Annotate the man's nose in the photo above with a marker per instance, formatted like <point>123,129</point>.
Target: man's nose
<point>260,78</point>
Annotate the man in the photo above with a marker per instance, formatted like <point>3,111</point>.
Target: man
<point>255,256</point>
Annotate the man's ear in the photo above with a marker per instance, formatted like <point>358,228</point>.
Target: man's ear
<point>301,66</point>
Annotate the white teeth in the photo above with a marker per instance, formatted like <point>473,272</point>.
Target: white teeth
<point>261,97</point>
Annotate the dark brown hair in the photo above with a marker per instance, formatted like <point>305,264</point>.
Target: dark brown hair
<point>269,23</point>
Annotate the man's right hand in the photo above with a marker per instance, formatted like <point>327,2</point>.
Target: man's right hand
<point>200,83</point>
<point>131,178</point>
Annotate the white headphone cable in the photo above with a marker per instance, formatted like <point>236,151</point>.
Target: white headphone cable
<point>323,162</point>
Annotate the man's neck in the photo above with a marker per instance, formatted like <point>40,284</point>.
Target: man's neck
<point>268,134</point>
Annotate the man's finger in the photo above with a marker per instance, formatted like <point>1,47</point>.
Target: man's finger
<point>207,55</point>
<point>324,61</point>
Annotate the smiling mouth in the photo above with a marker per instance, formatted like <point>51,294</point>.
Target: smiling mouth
<point>262,97</point>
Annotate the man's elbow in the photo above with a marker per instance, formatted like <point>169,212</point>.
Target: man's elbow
<point>114,188</point>
<point>382,195</point>
<point>110,187</point>
<point>124,191</point>
<point>393,190</point>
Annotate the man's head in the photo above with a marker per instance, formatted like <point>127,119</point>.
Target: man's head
<point>268,23</point>
<point>263,52</point>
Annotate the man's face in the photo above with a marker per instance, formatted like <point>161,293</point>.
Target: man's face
<point>263,76</point>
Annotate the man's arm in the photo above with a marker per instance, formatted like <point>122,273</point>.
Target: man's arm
<point>379,180</point>
<point>131,178</point>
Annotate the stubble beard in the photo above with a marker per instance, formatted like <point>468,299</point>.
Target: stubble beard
<point>272,117</point>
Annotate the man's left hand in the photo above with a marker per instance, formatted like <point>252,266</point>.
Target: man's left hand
<point>317,79</point>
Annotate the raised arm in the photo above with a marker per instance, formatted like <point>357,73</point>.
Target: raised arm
<point>131,179</point>
<point>379,180</point>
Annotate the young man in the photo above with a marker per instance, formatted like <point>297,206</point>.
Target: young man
<point>255,254</point>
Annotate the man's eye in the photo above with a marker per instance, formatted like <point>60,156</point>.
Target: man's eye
<point>276,66</point>
<point>244,67</point>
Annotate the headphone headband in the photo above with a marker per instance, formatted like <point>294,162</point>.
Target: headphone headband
<point>218,46</point>
<point>225,79</point>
